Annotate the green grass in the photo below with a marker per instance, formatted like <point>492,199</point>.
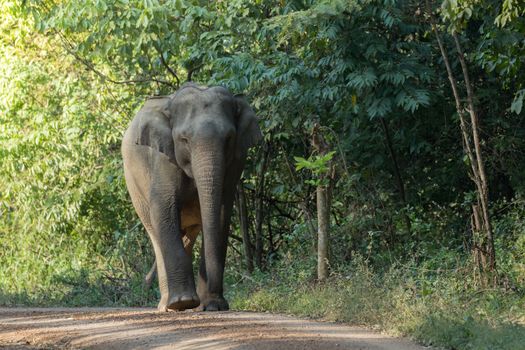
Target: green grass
<point>429,307</point>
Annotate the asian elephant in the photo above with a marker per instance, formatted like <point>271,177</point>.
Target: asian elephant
<point>183,156</point>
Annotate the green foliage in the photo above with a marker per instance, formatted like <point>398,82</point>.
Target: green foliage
<point>317,164</point>
<point>73,73</point>
<point>497,48</point>
<point>66,225</point>
<point>510,10</point>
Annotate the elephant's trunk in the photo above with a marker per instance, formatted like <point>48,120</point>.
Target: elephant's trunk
<point>208,170</point>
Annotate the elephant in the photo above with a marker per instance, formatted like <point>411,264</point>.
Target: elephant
<point>183,156</point>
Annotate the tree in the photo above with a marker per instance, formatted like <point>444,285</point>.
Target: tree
<point>323,172</point>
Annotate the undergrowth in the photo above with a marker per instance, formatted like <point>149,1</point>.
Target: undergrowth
<point>435,307</point>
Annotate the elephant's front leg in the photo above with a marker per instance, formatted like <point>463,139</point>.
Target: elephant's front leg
<point>210,283</point>
<point>174,266</point>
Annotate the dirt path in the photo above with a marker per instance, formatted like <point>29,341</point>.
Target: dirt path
<point>95,328</point>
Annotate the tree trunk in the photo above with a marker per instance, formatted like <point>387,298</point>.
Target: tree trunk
<point>323,208</point>
<point>483,242</point>
<point>397,175</point>
<point>244,226</point>
<point>271,248</point>
<point>259,215</point>
<point>323,219</point>
<point>482,182</point>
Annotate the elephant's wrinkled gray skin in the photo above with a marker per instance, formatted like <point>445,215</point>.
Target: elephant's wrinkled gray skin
<point>183,156</point>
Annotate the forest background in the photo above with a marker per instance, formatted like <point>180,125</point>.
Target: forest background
<point>405,116</point>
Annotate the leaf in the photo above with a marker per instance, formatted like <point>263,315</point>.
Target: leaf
<point>362,79</point>
<point>327,157</point>
<point>517,103</point>
<point>411,99</point>
<point>300,163</point>
<point>379,107</point>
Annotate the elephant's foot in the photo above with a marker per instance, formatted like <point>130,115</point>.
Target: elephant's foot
<point>179,302</point>
<point>213,304</point>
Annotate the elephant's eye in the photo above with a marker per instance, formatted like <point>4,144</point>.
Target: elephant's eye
<point>183,139</point>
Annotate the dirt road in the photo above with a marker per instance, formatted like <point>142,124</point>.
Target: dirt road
<point>95,328</point>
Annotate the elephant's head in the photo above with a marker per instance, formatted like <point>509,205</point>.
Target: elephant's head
<point>211,130</point>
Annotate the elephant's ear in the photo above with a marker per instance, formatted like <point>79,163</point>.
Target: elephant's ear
<point>248,132</point>
<point>154,130</point>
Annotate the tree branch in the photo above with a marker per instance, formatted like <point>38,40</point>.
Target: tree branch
<point>72,51</point>
<point>192,70</point>
<point>167,66</point>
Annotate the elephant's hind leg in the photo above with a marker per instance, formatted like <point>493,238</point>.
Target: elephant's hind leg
<point>138,183</point>
<point>190,236</point>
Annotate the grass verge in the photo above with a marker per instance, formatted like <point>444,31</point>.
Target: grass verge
<point>432,307</point>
